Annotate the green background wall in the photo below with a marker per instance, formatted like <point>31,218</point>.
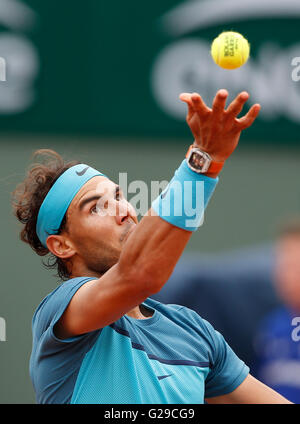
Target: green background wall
<point>117,68</point>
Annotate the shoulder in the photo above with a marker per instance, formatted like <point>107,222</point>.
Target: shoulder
<point>172,308</point>
<point>56,302</point>
<point>185,316</point>
<point>169,308</point>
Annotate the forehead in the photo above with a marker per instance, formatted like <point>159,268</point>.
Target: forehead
<point>98,185</point>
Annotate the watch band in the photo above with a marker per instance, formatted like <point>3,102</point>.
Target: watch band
<point>214,168</point>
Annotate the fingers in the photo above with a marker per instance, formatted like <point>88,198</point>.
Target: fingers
<point>219,104</point>
<point>248,119</point>
<point>235,108</point>
<point>186,97</point>
<point>199,105</point>
<point>195,103</point>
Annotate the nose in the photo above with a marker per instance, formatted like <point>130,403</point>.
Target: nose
<point>123,211</point>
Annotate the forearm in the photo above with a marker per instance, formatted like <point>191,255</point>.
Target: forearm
<point>153,250</point>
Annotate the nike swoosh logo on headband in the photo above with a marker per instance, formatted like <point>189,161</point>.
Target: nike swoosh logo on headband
<point>82,172</point>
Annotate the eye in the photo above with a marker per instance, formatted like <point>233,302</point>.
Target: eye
<point>93,209</point>
<point>118,195</point>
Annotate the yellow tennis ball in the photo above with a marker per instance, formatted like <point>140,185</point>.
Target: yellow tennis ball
<point>230,50</point>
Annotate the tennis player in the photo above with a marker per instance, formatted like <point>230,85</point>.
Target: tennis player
<point>99,337</point>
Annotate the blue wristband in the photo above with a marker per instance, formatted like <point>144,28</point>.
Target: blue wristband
<point>184,200</point>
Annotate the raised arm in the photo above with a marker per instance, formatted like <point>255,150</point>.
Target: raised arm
<point>152,250</point>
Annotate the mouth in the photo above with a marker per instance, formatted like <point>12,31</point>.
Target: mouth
<point>130,227</point>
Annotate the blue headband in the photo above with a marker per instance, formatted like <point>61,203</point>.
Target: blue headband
<point>59,198</point>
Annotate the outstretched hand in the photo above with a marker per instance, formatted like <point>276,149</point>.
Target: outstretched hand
<point>217,131</point>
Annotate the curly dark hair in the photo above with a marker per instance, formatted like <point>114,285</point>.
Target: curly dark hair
<point>28,197</point>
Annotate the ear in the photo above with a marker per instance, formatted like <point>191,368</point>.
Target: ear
<point>60,246</point>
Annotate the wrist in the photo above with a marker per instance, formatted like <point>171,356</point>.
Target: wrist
<point>202,162</point>
<point>185,199</point>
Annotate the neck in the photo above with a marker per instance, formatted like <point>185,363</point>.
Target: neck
<point>78,269</point>
<point>140,312</point>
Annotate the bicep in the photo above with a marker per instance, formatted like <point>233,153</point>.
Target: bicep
<point>98,303</point>
<point>250,391</point>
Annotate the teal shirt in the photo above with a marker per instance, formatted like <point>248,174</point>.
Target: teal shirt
<point>173,357</point>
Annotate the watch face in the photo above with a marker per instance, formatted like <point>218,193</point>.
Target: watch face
<point>199,161</point>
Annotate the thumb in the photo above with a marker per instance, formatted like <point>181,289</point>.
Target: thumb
<point>187,98</point>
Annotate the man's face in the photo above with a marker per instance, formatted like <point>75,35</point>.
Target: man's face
<point>99,220</point>
<point>287,270</point>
